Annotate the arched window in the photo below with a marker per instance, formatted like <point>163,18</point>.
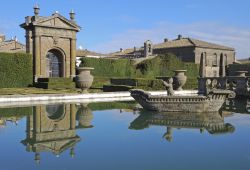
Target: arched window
<point>215,60</point>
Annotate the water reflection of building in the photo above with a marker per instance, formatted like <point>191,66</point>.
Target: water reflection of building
<point>212,122</point>
<point>4,120</point>
<point>52,128</point>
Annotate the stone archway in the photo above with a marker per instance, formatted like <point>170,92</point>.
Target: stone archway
<point>54,63</point>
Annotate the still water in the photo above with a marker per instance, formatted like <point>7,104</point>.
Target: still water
<point>114,136</point>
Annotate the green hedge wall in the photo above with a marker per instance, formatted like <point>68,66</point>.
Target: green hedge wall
<point>162,65</point>
<point>15,70</point>
<point>15,112</point>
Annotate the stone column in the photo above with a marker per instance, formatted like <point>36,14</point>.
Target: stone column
<point>72,57</point>
<point>202,71</point>
<point>37,58</point>
<point>222,66</point>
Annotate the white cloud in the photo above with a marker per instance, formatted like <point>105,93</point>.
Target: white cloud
<point>232,36</point>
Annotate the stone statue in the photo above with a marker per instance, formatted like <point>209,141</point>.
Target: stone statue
<point>169,86</point>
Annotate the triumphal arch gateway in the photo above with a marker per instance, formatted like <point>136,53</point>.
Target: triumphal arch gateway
<point>52,42</point>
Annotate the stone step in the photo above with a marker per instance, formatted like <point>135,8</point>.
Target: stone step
<point>55,83</point>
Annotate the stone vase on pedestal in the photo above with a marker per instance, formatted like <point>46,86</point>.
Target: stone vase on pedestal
<point>179,79</point>
<point>84,79</point>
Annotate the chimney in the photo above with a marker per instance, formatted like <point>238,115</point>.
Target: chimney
<point>179,37</point>
<point>72,15</point>
<point>36,10</point>
<point>165,40</point>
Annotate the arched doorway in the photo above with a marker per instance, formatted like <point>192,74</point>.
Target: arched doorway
<point>54,63</point>
<point>55,112</point>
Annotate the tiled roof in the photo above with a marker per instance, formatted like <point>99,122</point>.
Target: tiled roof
<point>126,51</point>
<point>190,42</point>
<point>4,46</point>
<point>82,53</point>
<point>177,43</point>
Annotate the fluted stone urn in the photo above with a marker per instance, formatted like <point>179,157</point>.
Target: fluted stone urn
<point>179,79</point>
<point>84,79</point>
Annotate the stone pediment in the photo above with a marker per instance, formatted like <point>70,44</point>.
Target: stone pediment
<point>57,21</point>
<point>56,145</point>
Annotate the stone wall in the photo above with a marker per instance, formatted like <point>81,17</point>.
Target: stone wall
<point>211,54</point>
<point>185,54</point>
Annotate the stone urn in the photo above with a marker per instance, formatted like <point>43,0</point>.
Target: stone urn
<point>84,79</point>
<point>84,116</point>
<point>179,79</point>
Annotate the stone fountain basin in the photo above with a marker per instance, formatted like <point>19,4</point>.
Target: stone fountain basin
<point>176,93</point>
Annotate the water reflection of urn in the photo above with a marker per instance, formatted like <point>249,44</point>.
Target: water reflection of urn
<point>179,79</point>
<point>84,116</point>
<point>84,79</point>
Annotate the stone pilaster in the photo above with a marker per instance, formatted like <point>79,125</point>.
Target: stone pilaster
<point>72,116</point>
<point>202,71</point>
<point>37,58</point>
<point>37,117</point>
<point>72,57</point>
<point>222,66</point>
<point>29,45</point>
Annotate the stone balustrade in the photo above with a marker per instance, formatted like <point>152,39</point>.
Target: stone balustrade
<point>239,84</point>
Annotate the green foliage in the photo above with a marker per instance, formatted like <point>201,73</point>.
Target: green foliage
<point>15,70</point>
<point>111,105</point>
<point>15,112</point>
<point>162,65</point>
<point>142,83</point>
<point>232,68</point>
<point>109,67</point>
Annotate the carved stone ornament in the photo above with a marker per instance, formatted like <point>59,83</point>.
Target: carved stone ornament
<point>55,40</point>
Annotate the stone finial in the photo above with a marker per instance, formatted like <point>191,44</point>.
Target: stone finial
<point>72,15</point>
<point>121,49</point>
<point>36,10</point>
<point>165,40</point>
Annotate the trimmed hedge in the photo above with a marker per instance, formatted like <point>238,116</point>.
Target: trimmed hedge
<point>232,68</point>
<point>15,70</point>
<point>111,105</point>
<point>162,65</point>
<point>15,112</point>
<point>142,83</point>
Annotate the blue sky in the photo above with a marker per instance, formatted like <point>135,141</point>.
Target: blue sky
<point>108,25</point>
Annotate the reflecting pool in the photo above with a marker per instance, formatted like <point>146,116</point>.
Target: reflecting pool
<point>119,136</point>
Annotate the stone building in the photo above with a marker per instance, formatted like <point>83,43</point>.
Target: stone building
<point>51,128</point>
<point>52,42</point>
<point>186,49</point>
<point>11,46</point>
